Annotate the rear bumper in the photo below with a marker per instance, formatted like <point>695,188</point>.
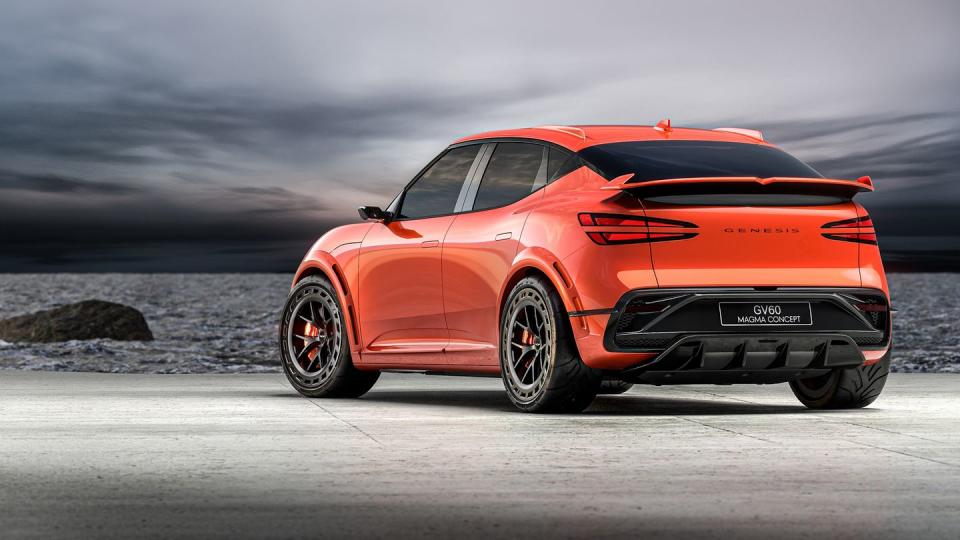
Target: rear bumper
<point>675,335</point>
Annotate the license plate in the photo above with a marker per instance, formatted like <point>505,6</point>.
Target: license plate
<point>765,314</point>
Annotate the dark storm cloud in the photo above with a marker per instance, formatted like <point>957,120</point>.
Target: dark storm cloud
<point>105,216</point>
<point>913,161</point>
<point>270,191</point>
<point>137,117</point>
<point>931,156</point>
<point>49,183</point>
<point>897,147</point>
<point>192,124</point>
<point>187,128</point>
<point>801,130</point>
<point>276,200</point>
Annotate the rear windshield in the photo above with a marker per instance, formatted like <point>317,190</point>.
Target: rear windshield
<point>657,160</point>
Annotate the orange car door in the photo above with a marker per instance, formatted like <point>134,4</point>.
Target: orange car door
<point>400,304</point>
<point>480,246</point>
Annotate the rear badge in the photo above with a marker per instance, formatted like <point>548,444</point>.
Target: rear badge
<point>765,314</point>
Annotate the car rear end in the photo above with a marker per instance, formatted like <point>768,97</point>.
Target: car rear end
<point>724,262</point>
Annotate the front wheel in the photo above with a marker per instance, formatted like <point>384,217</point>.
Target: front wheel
<point>314,350</point>
<point>850,388</point>
<point>539,362</point>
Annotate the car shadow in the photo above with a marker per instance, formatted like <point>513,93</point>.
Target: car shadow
<point>638,405</point>
<point>621,405</point>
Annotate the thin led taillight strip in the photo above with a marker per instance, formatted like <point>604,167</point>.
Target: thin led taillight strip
<point>612,229</point>
<point>858,229</point>
<point>857,222</point>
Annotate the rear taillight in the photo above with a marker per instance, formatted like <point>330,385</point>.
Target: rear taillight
<point>875,309</point>
<point>871,308</point>
<point>858,230</point>
<point>610,229</point>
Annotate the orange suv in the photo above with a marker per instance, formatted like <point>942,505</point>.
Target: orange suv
<point>572,261</point>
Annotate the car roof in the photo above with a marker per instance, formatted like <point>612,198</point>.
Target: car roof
<point>576,138</point>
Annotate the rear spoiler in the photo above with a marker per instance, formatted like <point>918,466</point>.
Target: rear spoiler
<point>848,188</point>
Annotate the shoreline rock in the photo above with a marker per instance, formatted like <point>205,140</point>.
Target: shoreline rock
<point>90,319</point>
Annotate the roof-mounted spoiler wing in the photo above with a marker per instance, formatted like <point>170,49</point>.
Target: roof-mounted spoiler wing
<point>850,187</point>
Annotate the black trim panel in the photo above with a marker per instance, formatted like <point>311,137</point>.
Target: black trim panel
<point>588,312</point>
<point>692,311</point>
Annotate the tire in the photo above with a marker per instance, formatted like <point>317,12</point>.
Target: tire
<point>328,372</point>
<point>539,363</point>
<point>850,388</point>
<point>614,387</point>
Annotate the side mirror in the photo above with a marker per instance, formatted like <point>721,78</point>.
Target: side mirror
<point>374,213</point>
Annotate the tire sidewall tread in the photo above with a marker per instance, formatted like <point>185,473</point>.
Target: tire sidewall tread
<point>851,388</point>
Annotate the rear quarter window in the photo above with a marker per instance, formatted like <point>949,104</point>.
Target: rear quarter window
<point>510,175</point>
<point>560,163</point>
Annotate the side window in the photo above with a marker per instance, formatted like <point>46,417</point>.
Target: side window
<point>560,163</point>
<point>510,175</point>
<point>435,192</point>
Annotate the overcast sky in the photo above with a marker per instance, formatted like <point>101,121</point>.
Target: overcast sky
<point>205,135</point>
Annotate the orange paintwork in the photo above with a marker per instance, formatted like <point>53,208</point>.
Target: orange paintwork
<point>594,135</point>
<point>427,293</point>
<point>736,255</point>
<point>478,254</point>
<point>401,300</point>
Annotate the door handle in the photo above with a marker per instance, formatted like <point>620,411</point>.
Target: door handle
<point>430,243</point>
<point>504,236</point>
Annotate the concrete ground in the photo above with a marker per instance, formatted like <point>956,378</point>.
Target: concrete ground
<point>242,455</point>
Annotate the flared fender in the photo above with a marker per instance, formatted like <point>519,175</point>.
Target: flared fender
<point>319,262</point>
<point>544,261</point>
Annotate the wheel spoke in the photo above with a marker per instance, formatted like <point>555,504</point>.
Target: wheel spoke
<point>305,352</point>
<point>519,359</point>
<point>316,326</point>
<point>317,361</point>
<point>522,326</point>
<point>328,347</point>
<point>533,367</point>
<point>542,360</point>
<point>523,376</point>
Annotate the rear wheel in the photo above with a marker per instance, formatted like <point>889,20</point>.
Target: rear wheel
<point>314,349</point>
<point>539,363</point>
<point>850,388</point>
